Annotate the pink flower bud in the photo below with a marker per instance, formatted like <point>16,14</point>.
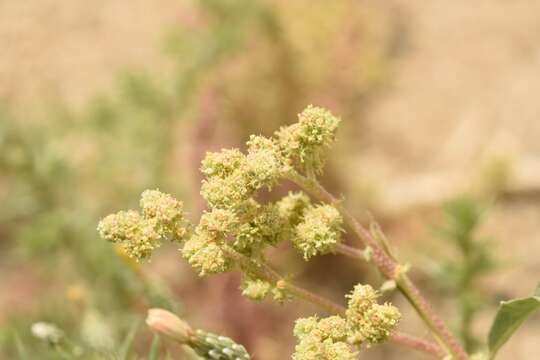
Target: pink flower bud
<point>166,323</point>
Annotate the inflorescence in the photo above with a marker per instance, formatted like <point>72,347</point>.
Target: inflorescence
<point>237,225</point>
<point>365,323</point>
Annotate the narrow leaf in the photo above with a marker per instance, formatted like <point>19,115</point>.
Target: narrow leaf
<point>127,344</point>
<point>154,349</point>
<point>510,316</point>
<point>21,350</point>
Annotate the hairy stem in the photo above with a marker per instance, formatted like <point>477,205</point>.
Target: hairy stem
<point>267,273</point>
<point>387,266</point>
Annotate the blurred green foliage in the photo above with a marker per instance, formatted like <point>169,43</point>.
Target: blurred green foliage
<point>461,273</point>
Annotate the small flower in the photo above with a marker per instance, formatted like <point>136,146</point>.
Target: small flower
<point>205,256</point>
<point>376,324</point>
<point>369,322</point>
<point>226,193</point>
<point>166,211</point>
<point>166,323</point>
<point>119,227</point>
<point>332,327</point>
<point>319,231</point>
<point>261,226</point>
<point>262,169</point>
<point>361,299</point>
<point>48,332</point>
<point>322,339</point>
<point>292,206</point>
<point>137,236</point>
<point>304,142</point>
<point>256,289</point>
<point>312,348</point>
<point>318,126</point>
<point>217,223</point>
<point>222,164</point>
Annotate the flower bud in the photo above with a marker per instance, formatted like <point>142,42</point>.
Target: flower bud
<point>205,344</point>
<point>165,323</point>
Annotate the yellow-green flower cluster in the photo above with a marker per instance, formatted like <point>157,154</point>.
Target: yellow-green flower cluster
<point>369,321</point>
<point>319,231</point>
<point>256,289</point>
<point>366,322</point>
<point>204,251</point>
<point>206,256</point>
<point>232,177</point>
<point>140,234</point>
<point>305,142</point>
<point>292,207</point>
<point>322,339</point>
<point>166,211</point>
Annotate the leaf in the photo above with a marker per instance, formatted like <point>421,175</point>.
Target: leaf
<point>127,344</point>
<point>21,350</point>
<point>154,350</point>
<point>510,316</point>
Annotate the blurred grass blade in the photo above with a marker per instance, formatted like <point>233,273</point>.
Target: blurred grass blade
<point>21,350</point>
<point>154,349</point>
<point>127,344</point>
<point>510,316</point>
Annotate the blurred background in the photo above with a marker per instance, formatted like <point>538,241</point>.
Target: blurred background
<point>101,100</point>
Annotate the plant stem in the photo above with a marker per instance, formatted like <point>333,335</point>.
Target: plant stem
<point>266,272</point>
<point>418,344</point>
<point>387,266</point>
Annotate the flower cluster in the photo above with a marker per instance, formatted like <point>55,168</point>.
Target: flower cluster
<point>365,322</point>
<point>139,234</point>
<point>369,321</point>
<point>304,143</point>
<point>322,339</point>
<point>319,230</point>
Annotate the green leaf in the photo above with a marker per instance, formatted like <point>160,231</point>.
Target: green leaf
<point>127,344</point>
<point>510,316</point>
<point>21,350</point>
<point>154,350</point>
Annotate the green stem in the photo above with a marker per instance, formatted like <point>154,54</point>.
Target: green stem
<point>387,266</point>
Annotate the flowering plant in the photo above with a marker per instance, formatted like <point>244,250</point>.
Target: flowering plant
<point>237,228</point>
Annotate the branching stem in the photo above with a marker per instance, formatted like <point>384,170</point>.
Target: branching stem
<point>388,266</point>
<point>265,272</point>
